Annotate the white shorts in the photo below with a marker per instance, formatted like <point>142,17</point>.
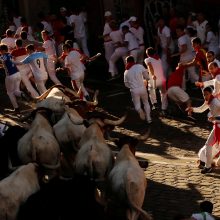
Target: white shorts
<point>177,94</point>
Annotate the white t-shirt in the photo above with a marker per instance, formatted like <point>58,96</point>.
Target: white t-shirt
<point>188,54</point>
<point>72,61</point>
<point>29,35</point>
<point>107,30</point>
<point>199,216</point>
<point>37,64</point>
<point>49,46</point>
<point>138,33</point>
<point>47,27</point>
<point>10,42</point>
<point>79,29</point>
<point>212,41</point>
<point>134,77</point>
<point>163,35</point>
<point>17,21</point>
<point>116,37</point>
<point>201,29</point>
<point>158,70</point>
<point>132,41</point>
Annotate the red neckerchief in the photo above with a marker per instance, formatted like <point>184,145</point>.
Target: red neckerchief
<point>210,99</point>
<point>48,38</point>
<point>155,56</point>
<point>129,65</point>
<point>216,134</point>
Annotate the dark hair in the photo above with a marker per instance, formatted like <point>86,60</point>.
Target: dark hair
<point>150,51</point>
<point>4,47</point>
<point>210,52</point>
<point>66,46</point>
<point>197,40</point>
<point>23,35</point>
<point>30,47</point>
<point>18,42</point>
<point>23,20</point>
<point>129,59</point>
<point>207,89</point>
<point>206,206</point>
<point>9,32</point>
<point>45,32</point>
<point>213,64</point>
<point>70,42</point>
<point>125,27</point>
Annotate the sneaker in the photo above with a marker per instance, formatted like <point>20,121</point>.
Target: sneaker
<point>201,164</point>
<point>206,170</point>
<point>14,110</point>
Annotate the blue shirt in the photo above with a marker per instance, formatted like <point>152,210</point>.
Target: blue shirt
<point>9,66</point>
<point>34,56</point>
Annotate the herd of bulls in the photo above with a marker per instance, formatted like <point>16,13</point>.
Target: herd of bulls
<point>59,166</point>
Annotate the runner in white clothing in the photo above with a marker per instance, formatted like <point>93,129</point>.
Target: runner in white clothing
<point>50,50</point>
<point>18,55</point>
<point>75,69</point>
<point>79,29</point>
<point>9,40</point>
<point>157,78</point>
<point>37,62</point>
<point>134,76</point>
<point>208,151</point>
<point>108,44</point>
<point>138,32</point>
<point>120,50</point>
<point>131,42</point>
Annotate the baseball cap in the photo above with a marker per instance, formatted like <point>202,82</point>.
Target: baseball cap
<point>107,13</point>
<point>62,9</point>
<point>132,18</point>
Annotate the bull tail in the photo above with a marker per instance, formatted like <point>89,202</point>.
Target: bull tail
<point>143,214</point>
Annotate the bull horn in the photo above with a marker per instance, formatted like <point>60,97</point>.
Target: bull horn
<point>71,92</point>
<point>118,122</point>
<point>45,94</point>
<point>144,136</point>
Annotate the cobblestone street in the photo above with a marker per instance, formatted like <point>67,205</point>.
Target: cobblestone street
<point>175,184</point>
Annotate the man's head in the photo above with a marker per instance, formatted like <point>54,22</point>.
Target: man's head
<point>63,11</point>
<point>125,29</point>
<point>9,33</point>
<point>44,35</point>
<point>18,43</point>
<point>3,48</point>
<point>66,48</point>
<point>150,51</point>
<point>207,92</point>
<point>213,68</point>
<point>206,206</point>
<point>210,56</point>
<point>30,48</point>
<point>196,43</point>
<point>129,59</point>
<point>180,30</point>
<point>108,16</point>
<point>23,35</point>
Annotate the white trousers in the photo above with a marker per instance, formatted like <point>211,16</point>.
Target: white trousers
<point>12,84</point>
<point>208,151</point>
<point>120,52</point>
<point>25,78</point>
<point>52,71</point>
<point>138,95</point>
<point>153,95</point>
<point>109,50</point>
